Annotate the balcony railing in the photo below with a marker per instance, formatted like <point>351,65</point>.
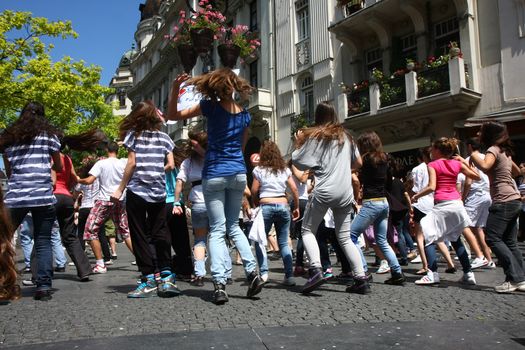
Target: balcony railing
<point>433,81</point>
<point>354,6</point>
<point>409,89</point>
<point>392,92</point>
<point>358,101</point>
<point>303,53</point>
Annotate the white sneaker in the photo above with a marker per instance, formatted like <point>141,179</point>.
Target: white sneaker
<point>109,262</point>
<point>468,278</point>
<point>506,287</point>
<point>416,260</point>
<point>478,262</point>
<point>70,263</point>
<point>429,279</point>
<point>264,277</point>
<point>383,267</point>
<point>491,265</point>
<point>99,269</point>
<point>28,283</point>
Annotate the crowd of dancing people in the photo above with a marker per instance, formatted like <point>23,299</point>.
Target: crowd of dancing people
<point>337,192</point>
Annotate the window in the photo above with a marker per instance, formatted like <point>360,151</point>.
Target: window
<point>253,74</point>
<point>121,98</point>
<point>444,33</point>
<point>409,47</point>
<point>374,59</point>
<point>254,26</point>
<point>303,20</point>
<point>307,99</point>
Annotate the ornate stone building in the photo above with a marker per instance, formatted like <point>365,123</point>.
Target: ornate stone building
<point>310,48</point>
<point>122,81</point>
<point>156,62</point>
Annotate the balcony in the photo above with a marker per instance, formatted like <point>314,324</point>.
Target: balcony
<point>432,93</point>
<point>303,54</point>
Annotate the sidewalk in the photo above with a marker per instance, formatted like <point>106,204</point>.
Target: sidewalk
<point>97,314</point>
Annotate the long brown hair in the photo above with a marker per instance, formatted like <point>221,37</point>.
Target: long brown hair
<point>271,158</point>
<point>31,123</point>
<point>9,289</point>
<point>494,133</point>
<point>142,117</point>
<point>326,128</point>
<point>370,146</point>
<point>90,140</point>
<point>221,84</point>
<point>447,146</point>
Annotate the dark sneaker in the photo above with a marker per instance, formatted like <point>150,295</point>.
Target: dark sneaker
<point>220,296</point>
<point>359,285</point>
<point>229,280</point>
<point>255,284</point>
<point>167,287</point>
<point>369,276</point>
<point>397,279</point>
<point>60,269</point>
<point>43,295</point>
<point>314,282</point>
<point>197,281</point>
<point>145,289</point>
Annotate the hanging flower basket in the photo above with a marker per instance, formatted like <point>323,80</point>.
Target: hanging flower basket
<point>229,54</point>
<point>188,57</point>
<point>202,39</point>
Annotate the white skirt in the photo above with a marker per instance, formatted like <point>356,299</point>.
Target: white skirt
<point>446,221</point>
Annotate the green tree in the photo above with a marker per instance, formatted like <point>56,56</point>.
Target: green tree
<point>70,90</point>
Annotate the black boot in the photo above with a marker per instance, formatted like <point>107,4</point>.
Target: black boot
<point>255,284</point>
<point>359,285</point>
<point>397,279</point>
<point>220,296</point>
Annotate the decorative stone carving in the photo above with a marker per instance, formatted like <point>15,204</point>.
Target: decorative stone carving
<point>403,130</point>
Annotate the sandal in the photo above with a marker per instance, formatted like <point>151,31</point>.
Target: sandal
<point>421,272</point>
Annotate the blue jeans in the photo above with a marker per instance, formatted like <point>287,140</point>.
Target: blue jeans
<point>26,242</point>
<point>461,252</point>
<point>43,218</point>
<point>279,215</point>
<point>223,196</point>
<point>376,213</point>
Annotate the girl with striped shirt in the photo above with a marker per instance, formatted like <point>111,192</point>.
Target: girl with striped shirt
<point>144,177</point>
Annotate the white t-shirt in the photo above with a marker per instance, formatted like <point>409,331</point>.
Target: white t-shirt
<point>271,184</point>
<point>190,171</point>
<point>478,187</point>
<point>109,173</point>
<point>420,177</point>
<point>89,194</point>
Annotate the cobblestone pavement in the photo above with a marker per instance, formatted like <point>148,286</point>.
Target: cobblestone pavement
<point>100,309</point>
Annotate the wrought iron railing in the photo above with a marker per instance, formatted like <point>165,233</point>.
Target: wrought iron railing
<point>358,101</point>
<point>433,81</point>
<point>392,91</point>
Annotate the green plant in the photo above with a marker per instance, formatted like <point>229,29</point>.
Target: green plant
<point>299,121</point>
<point>207,17</point>
<point>181,34</point>
<point>241,36</point>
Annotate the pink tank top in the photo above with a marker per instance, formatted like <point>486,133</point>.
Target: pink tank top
<point>447,171</point>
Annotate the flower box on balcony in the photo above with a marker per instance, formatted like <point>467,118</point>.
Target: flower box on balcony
<point>392,91</point>
<point>358,101</point>
<point>432,81</point>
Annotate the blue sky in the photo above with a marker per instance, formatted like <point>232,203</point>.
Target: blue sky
<point>105,28</point>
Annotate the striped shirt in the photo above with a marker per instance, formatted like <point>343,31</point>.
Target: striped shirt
<point>30,181</point>
<point>149,180</point>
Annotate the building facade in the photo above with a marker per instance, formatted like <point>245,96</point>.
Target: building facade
<point>156,63</point>
<point>122,82</point>
<point>315,51</point>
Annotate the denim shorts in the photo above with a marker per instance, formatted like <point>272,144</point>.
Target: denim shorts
<point>199,215</point>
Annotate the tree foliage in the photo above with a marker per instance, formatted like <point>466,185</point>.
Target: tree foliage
<point>70,90</point>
